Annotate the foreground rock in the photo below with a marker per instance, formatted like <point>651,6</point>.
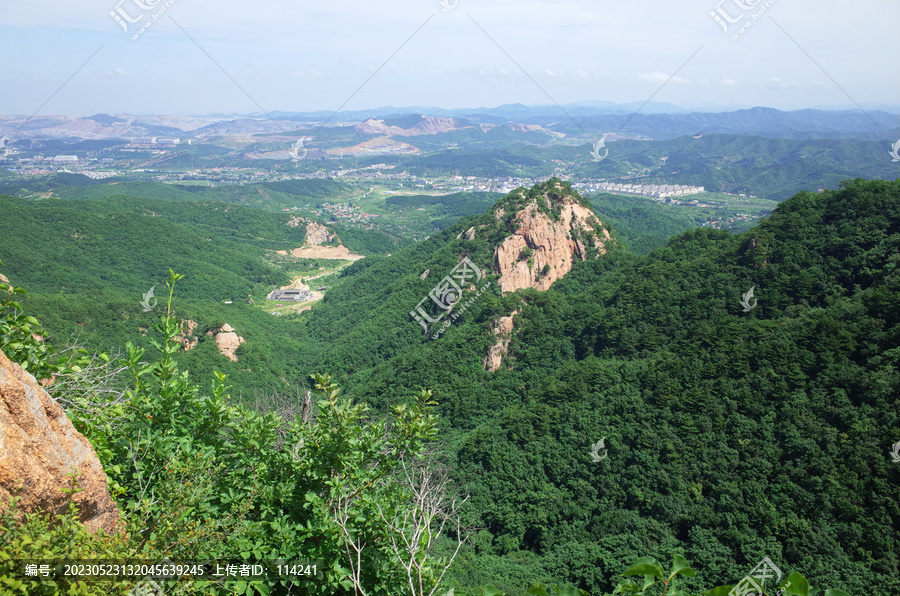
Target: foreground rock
<point>39,446</point>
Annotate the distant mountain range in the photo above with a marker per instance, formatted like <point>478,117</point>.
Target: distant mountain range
<point>652,121</point>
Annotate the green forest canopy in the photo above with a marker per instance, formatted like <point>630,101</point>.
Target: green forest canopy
<point>732,435</point>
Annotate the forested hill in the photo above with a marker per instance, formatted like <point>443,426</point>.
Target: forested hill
<point>732,434</point>
<point>736,425</point>
<point>366,324</point>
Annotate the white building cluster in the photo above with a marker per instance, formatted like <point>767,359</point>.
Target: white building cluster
<point>658,191</point>
<point>97,175</point>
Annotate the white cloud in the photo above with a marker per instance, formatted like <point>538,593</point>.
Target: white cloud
<point>729,82</point>
<point>776,83</point>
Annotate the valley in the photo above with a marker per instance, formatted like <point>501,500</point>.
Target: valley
<point>300,268</point>
<point>542,311</point>
<point>449,298</point>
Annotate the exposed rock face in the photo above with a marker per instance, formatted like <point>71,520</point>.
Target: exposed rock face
<point>542,250</point>
<point>428,125</point>
<point>468,234</point>
<point>432,125</point>
<point>39,446</point>
<point>525,127</point>
<point>228,341</point>
<point>377,127</point>
<point>317,234</point>
<point>550,231</point>
<point>376,146</point>
<point>502,328</point>
<point>186,337</point>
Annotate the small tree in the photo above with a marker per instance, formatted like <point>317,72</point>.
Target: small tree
<point>416,530</point>
<point>342,483</point>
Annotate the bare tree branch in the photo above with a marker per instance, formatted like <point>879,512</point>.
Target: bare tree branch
<point>353,544</point>
<point>415,532</point>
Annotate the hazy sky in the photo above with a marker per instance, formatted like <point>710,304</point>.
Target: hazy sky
<point>233,56</point>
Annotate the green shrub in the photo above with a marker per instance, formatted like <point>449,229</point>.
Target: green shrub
<point>21,335</point>
<point>33,537</point>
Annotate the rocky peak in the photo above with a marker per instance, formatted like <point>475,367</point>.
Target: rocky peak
<point>549,227</point>
<point>432,125</point>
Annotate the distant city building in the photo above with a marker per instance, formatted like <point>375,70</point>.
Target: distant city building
<point>97,175</point>
<point>657,191</point>
<point>66,158</point>
<point>155,141</point>
<point>297,295</point>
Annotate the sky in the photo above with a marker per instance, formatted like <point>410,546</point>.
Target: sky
<point>200,57</point>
